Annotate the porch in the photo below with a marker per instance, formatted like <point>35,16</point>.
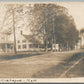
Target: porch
<point>6,47</point>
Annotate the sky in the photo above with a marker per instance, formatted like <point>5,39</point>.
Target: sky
<point>76,9</point>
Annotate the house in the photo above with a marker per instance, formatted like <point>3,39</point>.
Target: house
<point>6,46</point>
<point>81,41</point>
<point>26,42</point>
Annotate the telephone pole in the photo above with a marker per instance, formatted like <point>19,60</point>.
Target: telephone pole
<point>53,38</point>
<point>13,13</point>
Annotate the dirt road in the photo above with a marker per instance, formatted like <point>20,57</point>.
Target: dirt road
<point>34,65</point>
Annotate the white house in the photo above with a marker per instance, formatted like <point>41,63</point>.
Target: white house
<point>5,44</point>
<point>82,41</point>
<point>26,42</point>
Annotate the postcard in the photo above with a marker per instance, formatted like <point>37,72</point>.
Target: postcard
<point>41,42</point>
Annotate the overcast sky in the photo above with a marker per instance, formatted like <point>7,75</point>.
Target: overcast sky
<point>76,9</point>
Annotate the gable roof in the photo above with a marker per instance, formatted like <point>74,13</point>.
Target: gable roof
<point>33,39</point>
<point>6,42</point>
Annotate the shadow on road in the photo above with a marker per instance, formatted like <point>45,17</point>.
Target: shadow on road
<point>18,56</point>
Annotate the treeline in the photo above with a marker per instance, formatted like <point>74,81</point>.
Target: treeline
<point>49,22</point>
<point>55,25</point>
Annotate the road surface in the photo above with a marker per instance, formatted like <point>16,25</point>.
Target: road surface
<point>43,65</point>
<point>69,68</point>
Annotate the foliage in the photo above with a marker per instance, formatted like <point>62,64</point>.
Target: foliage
<point>48,21</point>
<point>55,25</point>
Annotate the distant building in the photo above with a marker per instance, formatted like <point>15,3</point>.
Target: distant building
<point>81,40</point>
<point>80,43</point>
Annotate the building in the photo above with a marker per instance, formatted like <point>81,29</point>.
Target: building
<point>81,40</point>
<point>24,42</point>
<point>6,46</point>
<point>28,43</point>
<point>80,43</point>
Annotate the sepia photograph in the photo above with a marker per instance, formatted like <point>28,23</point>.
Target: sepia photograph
<point>41,39</point>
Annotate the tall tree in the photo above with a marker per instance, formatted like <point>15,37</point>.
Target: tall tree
<point>44,15</point>
<point>16,18</point>
<point>55,25</point>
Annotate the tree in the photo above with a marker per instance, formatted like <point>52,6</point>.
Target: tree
<point>66,32</point>
<point>48,21</point>
<point>55,25</point>
<point>14,18</point>
<point>44,15</point>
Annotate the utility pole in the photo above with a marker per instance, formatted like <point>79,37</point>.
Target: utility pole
<point>54,38</point>
<point>53,31</point>
<point>13,13</point>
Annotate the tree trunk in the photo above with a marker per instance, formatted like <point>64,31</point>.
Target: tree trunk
<point>46,46</point>
<point>52,45</point>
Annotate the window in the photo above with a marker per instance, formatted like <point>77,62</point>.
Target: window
<point>33,45</point>
<point>19,46</point>
<point>24,46</point>
<point>18,41</point>
<point>41,46</point>
<point>8,45</point>
<point>30,45</point>
<point>36,45</point>
<point>23,41</point>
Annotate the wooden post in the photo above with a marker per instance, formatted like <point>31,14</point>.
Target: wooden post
<point>54,39</point>
<point>6,48</point>
<point>13,12</point>
<point>10,48</point>
<point>38,47</point>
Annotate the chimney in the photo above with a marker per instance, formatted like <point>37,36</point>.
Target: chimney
<point>21,32</point>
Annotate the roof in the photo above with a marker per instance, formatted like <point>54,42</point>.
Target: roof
<point>33,39</point>
<point>4,39</point>
<point>6,42</point>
